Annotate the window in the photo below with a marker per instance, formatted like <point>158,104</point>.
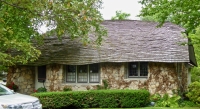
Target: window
<point>82,73</point>
<point>136,69</point>
<point>41,73</point>
<point>94,73</point>
<point>71,73</point>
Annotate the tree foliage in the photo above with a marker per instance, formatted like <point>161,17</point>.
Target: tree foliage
<point>20,19</point>
<point>195,39</point>
<point>120,16</point>
<point>181,12</point>
<point>149,18</point>
<point>154,18</point>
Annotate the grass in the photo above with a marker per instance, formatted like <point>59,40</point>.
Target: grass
<point>152,108</point>
<point>167,108</point>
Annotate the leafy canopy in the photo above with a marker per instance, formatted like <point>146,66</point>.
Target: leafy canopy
<point>20,19</point>
<point>120,16</point>
<point>181,12</point>
<point>195,39</point>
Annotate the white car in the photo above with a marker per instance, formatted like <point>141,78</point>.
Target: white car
<point>2,82</point>
<point>11,100</point>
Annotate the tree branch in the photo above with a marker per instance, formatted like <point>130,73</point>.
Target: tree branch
<point>16,6</point>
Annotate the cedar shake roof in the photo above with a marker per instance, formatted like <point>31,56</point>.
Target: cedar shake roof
<point>127,41</point>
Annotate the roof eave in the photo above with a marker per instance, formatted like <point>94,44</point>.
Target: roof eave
<point>192,56</point>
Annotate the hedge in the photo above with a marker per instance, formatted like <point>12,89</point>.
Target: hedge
<point>94,99</point>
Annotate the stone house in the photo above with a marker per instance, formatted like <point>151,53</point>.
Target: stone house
<point>134,55</point>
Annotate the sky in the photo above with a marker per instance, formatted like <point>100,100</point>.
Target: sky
<point>128,6</point>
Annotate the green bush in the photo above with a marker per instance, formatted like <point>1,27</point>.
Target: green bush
<point>194,92</point>
<point>187,103</point>
<point>155,97</point>
<point>94,99</point>
<point>195,74</point>
<point>167,101</point>
<point>104,86</point>
<point>67,88</point>
<point>41,89</point>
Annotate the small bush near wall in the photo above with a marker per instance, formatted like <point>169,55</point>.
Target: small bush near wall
<point>67,88</point>
<point>94,99</point>
<point>166,100</point>
<point>41,89</point>
<point>177,100</point>
<point>194,92</point>
<point>12,86</point>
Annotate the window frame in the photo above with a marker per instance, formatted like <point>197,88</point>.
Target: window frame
<point>76,74</point>
<point>66,70</point>
<point>41,72</point>
<point>89,81</point>
<point>138,70</point>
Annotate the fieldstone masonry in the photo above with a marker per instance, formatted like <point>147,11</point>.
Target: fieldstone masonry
<point>23,77</point>
<point>162,78</point>
<point>54,78</point>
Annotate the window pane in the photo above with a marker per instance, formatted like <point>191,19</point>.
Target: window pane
<point>71,73</point>
<point>94,68</point>
<point>94,72</point>
<point>82,73</point>
<point>144,69</point>
<point>133,69</point>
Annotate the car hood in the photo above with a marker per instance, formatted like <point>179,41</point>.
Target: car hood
<point>17,98</point>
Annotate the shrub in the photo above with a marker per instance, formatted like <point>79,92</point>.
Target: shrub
<point>187,103</point>
<point>12,86</point>
<point>167,101</point>
<point>94,99</point>
<point>67,88</point>
<point>194,92</point>
<point>155,97</point>
<point>41,89</point>
<point>104,86</point>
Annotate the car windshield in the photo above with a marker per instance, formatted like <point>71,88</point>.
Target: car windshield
<point>4,90</point>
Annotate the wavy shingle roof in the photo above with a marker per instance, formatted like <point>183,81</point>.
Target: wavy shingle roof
<point>127,41</point>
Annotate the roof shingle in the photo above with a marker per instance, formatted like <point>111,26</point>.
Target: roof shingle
<point>127,41</point>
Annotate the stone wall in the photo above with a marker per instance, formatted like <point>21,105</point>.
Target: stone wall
<point>55,80</point>
<point>54,77</point>
<point>162,78</point>
<point>23,77</point>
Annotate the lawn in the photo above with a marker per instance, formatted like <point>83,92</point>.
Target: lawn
<point>152,108</point>
<point>167,108</point>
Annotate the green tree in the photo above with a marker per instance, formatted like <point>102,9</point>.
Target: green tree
<point>20,19</point>
<point>181,12</point>
<point>120,16</point>
<point>154,18</point>
<point>149,18</point>
<point>2,69</point>
<point>195,71</point>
